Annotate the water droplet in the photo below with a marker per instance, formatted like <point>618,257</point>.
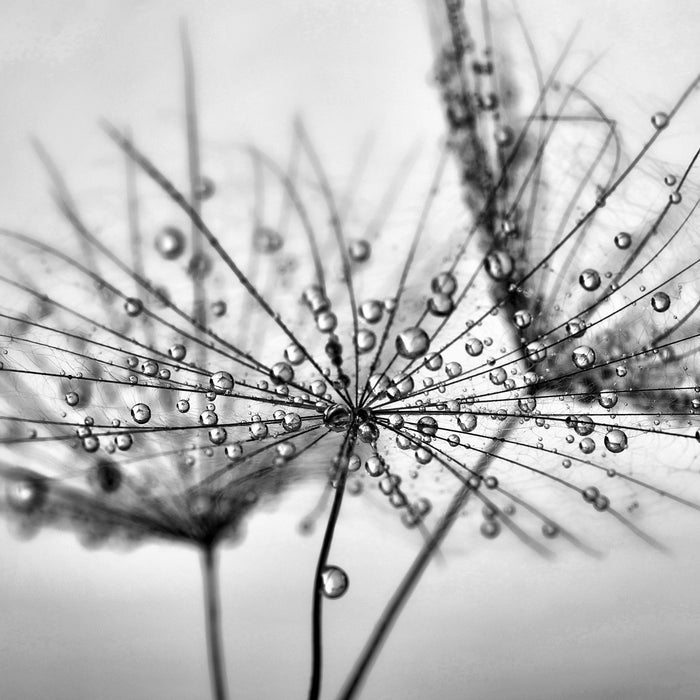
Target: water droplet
<point>660,301</point>
<point>141,413</point>
<point>170,242</point>
<point>365,340</point>
<point>660,120</point>
<point>587,445</point>
<point>218,308</point>
<point>359,250</point>
<point>427,425</point>
<point>204,188</point>
<point>177,352</point>
<point>281,373</point>
<point>375,465</point>
<point>615,440</point>
<point>334,582</point>
<point>589,280</point>
<point>294,354</point>
<point>258,430</point>
<point>536,352</point>
<point>441,305</point>
<point>453,369</point>
<point>522,318</point>
<point>72,398</point>
<point>467,421</point>
<point>371,310</point>
<point>623,240</point>
<point>26,495</point>
<point>444,283</point>
<point>291,422</point>
<point>583,356</point>
<point>576,327</point>
<point>266,240</point>
<point>412,343</point>
<point>133,306</point>
<point>183,405</point>
<point>217,436</point>
<point>499,265</point>
<point>474,347</point>
<point>123,441</point>
<point>221,382</point>
<point>326,321</point>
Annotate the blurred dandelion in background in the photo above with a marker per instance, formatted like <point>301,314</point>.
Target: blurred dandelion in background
<point>436,380</point>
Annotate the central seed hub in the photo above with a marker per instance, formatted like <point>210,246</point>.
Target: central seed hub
<point>361,421</point>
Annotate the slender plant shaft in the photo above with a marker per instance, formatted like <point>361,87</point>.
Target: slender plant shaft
<point>212,613</point>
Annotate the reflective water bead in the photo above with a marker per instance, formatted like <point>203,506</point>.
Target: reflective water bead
<point>623,240</point>
<point>453,369</point>
<point>291,422</point>
<point>583,356</point>
<point>359,250</point>
<point>334,582</point>
<point>467,421</point>
<point>660,120</point>
<point>294,354</point>
<point>589,280</point>
<point>433,361</point>
<point>536,352</point>
<point>234,450</point>
<point>123,441</point>
<point>170,242</point>
<point>204,188</point>
<point>217,436</point>
<point>498,376</point>
<point>412,343</point>
<point>371,310</point>
<point>660,301</point>
<point>26,495</point>
<point>218,308</point>
<point>522,318</point>
<point>365,340</point>
<point>208,417</point>
<point>326,321</point>
<point>221,382</point>
<point>444,283</point>
<point>499,265</point>
<point>354,463</point>
<point>183,405</point>
<point>141,413</point>
<point>258,429</point>
<point>423,456</point>
<point>427,425</point>
<point>281,373</point>
<point>133,306</point>
<point>441,305</point>
<point>177,351</point>
<point>474,347</point>
<point>587,445</point>
<point>490,529</point>
<point>576,327</point>
<point>607,399</point>
<point>583,425</point>
<point>615,440</point>
<point>72,398</point>
<point>375,465</point>
<point>396,420</point>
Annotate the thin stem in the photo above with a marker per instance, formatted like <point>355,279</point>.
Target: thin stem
<point>217,671</point>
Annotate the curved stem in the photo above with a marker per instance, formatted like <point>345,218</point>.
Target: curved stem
<point>217,671</point>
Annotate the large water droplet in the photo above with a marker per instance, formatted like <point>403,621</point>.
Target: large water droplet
<point>583,356</point>
<point>412,343</point>
<point>170,242</point>
<point>141,413</point>
<point>660,301</point>
<point>334,582</point>
<point>615,440</point>
<point>221,382</point>
<point>589,279</point>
